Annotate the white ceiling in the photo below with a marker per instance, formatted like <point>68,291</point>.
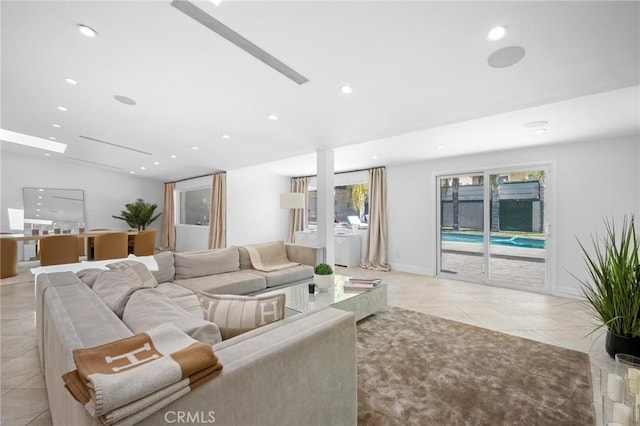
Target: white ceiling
<point>418,69</point>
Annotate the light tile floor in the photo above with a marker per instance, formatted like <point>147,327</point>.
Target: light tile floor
<point>549,319</point>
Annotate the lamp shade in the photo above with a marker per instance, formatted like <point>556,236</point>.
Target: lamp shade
<point>292,200</point>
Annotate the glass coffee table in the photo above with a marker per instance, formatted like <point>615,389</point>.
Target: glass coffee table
<point>361,302</point>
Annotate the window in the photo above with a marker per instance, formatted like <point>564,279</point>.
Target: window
<point>350,199</point>
<point>194,206</point>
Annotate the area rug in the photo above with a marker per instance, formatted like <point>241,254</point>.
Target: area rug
<point>417,369</point>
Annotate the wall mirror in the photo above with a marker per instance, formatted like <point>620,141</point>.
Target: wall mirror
<point>53,210</point>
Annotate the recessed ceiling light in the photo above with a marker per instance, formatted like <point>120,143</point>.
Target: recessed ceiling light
<point>57,126</point>
<point>40,190</point>
<point>440,146</point>
<point>533,124</point>
<point>88,31</point>
<point>224,136</point>
<point>71,81</point>
<point>37,215</point>
<point>496,33</point>
<point>375,157</point>
<point>216,2</point>
<point>132,172</point>
<point>156,163</point>
<point>46,154</point>
<point>173,156</point>
<point>61,108</point>
<point>38,204</point>
<point>53,138</point>
<point>143,168</point>
<point>539,130</point>
<point>37,210</point>
<point>195,148</point>
<point>272,117</point>
<point>39,197</point>
<point>347,90</point>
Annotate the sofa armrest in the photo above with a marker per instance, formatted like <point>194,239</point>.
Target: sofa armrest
<point>297,371</point>
<point>307,255</point>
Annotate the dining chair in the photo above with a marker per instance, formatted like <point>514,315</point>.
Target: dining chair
<point>90,242</point>
<point>144,243</point>
<point>58,249</point>
<point>110,246</point>
<point>8,257</point>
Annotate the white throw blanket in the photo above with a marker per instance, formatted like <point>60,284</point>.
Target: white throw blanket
<point>269,257</point>
<point>123,382</point>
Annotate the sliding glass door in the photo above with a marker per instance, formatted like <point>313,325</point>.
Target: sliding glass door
<point>462,249</point>
<point>492,227</point>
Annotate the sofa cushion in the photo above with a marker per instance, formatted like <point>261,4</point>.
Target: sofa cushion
<point>182,297</point>
<point>137,271</point>
<point>245,260</point>
<point>236,314</point>
<point>115,288</point>
<point>287,276</point>
<point>210,262</point>
<point>89,276</point>
<point>166,271</point>
<point>150,308</point>
<point>239,282</point>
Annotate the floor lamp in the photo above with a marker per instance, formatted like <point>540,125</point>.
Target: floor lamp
<point>292,200</point>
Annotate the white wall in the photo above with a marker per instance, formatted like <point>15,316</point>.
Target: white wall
<point>253,207</point>
<point>105,192</point>
<point>595,179</point>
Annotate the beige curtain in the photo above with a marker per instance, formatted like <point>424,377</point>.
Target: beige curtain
<point>168,231</point>
<point>297,217</point>
<point>376,254</point>
<point>218,212</point>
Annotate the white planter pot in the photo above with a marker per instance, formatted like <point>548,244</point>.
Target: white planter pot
<point>324,282</point>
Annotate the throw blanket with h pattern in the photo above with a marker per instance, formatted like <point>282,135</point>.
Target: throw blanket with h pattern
<point>123,382</point>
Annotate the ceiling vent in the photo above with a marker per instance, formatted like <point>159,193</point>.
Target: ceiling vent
<point>221,29</point>
<point>92,162</point>
<point>114,144</point>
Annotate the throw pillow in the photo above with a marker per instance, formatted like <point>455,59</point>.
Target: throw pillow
<point>166,271</point>
<point>235,315</point>
<point>89,276</point>
<point>115,288</point>
<point>149,308</point>
<point>136,271</point>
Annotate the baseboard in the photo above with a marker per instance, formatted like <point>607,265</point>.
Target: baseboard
<point>567,292</point>
<point>412,269</point>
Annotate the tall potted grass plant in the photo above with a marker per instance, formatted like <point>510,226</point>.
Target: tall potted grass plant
<point>612,291</point>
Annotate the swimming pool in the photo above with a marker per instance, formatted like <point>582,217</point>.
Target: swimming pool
<point>502,240</point>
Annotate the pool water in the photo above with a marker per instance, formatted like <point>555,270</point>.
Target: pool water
<point>502,240</point>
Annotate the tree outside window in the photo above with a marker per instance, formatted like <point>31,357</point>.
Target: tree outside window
<point>348,200</point>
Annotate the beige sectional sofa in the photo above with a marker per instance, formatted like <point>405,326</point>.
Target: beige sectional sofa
<point>298,370</point>
<point>230,271</point>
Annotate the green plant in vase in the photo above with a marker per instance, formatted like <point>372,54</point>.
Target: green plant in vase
<point>323,276</point>
<point>612,291</point>
<point>139,214</point>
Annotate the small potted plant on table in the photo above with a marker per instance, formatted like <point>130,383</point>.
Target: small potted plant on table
<point>323,276</point>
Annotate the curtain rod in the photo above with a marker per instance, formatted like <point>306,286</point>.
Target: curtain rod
<point>346,171</point>
<point>195,177</point>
